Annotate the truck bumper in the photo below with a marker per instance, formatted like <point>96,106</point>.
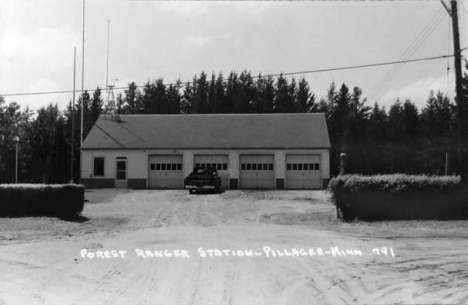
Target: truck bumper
<point>194,187</point>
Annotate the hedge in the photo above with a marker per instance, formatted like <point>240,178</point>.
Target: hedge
<point>58,200</point>
<point>398,197</point>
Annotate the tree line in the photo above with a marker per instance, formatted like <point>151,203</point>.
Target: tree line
<point>400,139</point>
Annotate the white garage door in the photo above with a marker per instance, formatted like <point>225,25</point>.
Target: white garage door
<point>257,171</point>
<point>303,172</point>
<point>166,172</point>
<point>220,162</point>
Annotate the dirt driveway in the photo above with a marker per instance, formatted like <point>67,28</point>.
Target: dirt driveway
<point>238,247</point>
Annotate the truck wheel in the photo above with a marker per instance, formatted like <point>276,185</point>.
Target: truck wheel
<point>192,191</point>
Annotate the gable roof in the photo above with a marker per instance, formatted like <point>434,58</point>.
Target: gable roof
<point>209,131</point>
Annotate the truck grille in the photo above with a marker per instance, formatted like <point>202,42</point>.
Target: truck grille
<point>200,182</point>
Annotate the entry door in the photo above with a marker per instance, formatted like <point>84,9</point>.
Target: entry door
<point>303,172</point>
<point>257,171</point>
<point>121,173</point>
<point>165,171</point>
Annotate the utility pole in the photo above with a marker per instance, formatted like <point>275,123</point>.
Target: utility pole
<point>72,161</point>
<point>460,100</point>
<point>461,103</point>
<point>82,94</point>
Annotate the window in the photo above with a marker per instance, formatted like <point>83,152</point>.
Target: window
<point>99,166</point>
<point>197,165</point>
<point>163,166</point>
<point>121,165</point>
<point>158,166</point>
<point>249,166</point>
<point>224,166</point>
<point>306,166</point>
<point>299,166</point>
<point>311,166</point>
<point>254,166</point>
<point>270,166</point>
<point>259,166</point>
<point>179,166</point>
<point>265,166</point>
<point>295,167</point>
<point>153,166</point>
<point>317,166</point>
<point>288,167</point>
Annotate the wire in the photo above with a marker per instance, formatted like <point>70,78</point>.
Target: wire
<point>266,76</point>
<point>420,39</point>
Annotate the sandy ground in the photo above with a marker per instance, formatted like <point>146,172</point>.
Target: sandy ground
<point>238,247</point>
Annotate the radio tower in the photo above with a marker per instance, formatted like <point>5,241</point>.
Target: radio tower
<point>110,107</point>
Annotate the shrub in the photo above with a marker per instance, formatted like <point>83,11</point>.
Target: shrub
<point>398,197</point>
<point>59,200</point>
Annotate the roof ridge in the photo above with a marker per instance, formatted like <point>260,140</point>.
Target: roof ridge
<point>220,114</point>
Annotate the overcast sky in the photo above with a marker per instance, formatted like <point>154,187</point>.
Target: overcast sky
<point>171,40</point>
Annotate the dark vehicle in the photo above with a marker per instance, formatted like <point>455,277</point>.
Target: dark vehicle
<point>203,179</point>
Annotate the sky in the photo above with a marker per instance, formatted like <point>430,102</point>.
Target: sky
<point>179,39</point>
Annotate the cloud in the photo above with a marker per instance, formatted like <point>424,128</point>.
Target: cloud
<point>44,47</point>
<point>41,60</point>
<point>196,9</point>
<point>197,41</point>
<point>254,9</point>
<point>187,9</point>
<point>418,91</point>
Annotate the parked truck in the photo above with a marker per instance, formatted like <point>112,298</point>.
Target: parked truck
<point>203,179</point>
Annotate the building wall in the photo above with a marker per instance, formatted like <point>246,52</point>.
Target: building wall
<point>138,164</point>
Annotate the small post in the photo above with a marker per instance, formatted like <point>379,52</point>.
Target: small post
<point>342,163</point>
<point>16,140</point>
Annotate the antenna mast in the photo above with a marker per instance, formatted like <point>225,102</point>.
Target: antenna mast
<point>110,107</point>
<point>107,70</point>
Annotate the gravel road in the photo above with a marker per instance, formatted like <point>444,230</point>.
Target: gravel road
<point>237,247</point>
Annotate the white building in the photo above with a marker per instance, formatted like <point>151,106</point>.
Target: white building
<point>265,151</point>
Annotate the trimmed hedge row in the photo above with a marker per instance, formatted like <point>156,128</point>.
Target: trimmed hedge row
<point>58,200</point>
<point>398,197</point>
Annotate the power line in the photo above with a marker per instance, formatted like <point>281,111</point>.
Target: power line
<point>266,76</point>
<point>420,39</point>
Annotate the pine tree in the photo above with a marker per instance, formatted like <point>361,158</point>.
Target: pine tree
<point>174,98</point>
<point>265,95</point>
<point>305,100</point>
<point>282,98</point>
<point>232,93</point>
<point>247,92</point>
<point>200,94</point>
<point>96,107</point>
<point>42,137</point>
<point>216,95</point>
<point>187,98</point>
<point>59,168</point>
<point>132,99</point>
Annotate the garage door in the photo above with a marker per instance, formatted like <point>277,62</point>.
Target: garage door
<point>257,171</point>
<point>220,162</point>
<point>303,172</point>
<point>166,172</point>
